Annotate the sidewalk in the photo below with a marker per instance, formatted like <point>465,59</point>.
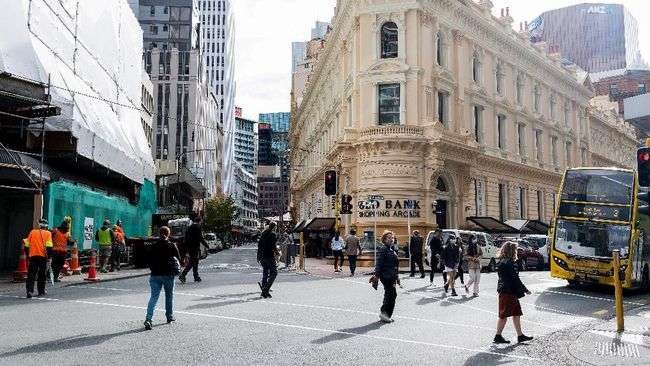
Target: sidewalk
<point>127,272</point>
<point>604,346</point>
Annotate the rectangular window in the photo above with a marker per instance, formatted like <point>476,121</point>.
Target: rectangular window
<point>521,138</point>
<point>540,206</point>
<point>522,203</point>
<point>538,145</point>
<point>642,88</point>
<point>439,50</point>
<point>152,11</point>
<point>478,123</point>
<point>442,108</point>
<point>613,89</point>
<point>583,156</point>
<point>554,151</point>
<point>503,202</point>
<point>389,104</point>
<point>501,131</point>
<point>569,161</point>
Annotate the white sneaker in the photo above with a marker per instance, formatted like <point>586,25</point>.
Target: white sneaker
<point>384,318</point>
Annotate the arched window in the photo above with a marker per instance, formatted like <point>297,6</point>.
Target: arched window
<point>441,186</point>
<point>389,42</point>
<point>440,52</point>
<point>476,68</point>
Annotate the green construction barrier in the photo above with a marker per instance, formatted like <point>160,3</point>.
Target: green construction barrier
<point>63,199</point>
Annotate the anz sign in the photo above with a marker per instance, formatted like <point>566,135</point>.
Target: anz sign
<point>598,9</point>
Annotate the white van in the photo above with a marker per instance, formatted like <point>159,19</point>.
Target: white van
<point>485,241</point>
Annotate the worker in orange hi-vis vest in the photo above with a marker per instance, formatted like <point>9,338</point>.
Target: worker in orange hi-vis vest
<point>118,247</point>
<point>61,239</point>
<point>38,247</point>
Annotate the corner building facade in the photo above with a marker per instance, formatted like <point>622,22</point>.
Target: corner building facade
<point>444,111</point>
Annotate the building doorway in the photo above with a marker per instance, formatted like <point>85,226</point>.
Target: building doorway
<point>441,214</point>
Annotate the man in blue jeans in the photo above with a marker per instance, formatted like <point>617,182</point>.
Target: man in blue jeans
<point>163,272</point>
<point>267,252</point>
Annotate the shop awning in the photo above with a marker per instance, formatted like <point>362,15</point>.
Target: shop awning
<point>529,226</point>
<point>299,228</point>
<point>491,225</point>
<point>320,224</point>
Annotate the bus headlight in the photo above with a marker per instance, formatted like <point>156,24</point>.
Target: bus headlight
<point>560,262</point>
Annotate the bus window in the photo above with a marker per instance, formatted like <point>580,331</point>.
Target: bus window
<point>591,239</point>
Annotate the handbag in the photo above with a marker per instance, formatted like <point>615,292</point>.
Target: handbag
<point>174,266</point>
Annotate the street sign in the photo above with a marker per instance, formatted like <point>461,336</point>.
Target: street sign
<point>89,230</point>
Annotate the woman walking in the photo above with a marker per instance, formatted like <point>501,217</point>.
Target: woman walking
<point>353,249</point>
<point>337,251</point>
<point>165,266</point>
<point>386,271</point>
<point>461,259</point>
<point>451,260</point>
<point>473,259</point>
<point>510,289</point>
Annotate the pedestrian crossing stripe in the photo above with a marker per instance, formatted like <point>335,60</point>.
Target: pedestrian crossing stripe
<point>617,350</point>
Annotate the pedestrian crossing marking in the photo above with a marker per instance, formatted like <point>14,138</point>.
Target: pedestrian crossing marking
<point>617,350</point>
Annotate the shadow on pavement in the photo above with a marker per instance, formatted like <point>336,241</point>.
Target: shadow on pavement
<point>219,304</point>
<point>345,333</point>
<point>71,342</point>
<point>488,359</point>
<point>227,296</point>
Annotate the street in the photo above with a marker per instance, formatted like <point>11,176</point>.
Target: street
<point>311,319</point>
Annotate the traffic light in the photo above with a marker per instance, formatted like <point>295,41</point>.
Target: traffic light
<point>346,204</point>
<point>643,166</point>
<point>330,183</point>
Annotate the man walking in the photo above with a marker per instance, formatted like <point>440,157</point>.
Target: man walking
<point>117,247</point>
<point>435,248</point>
<point>38,248</point>
<point>105,238</point>
<point>415,251</point>
<point>267,251</point>
<point>353,250</point>
<point>61,240</point>
<point>193,241</point>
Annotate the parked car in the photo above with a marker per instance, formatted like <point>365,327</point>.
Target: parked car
<point>540,243</point>
<point>485,241</point>
<point>213,242</point>
<point>528,257</point>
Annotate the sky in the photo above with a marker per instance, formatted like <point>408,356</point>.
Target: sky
<point>264,30</point>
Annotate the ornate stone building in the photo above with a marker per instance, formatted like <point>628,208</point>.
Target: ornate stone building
<point>446,112</point>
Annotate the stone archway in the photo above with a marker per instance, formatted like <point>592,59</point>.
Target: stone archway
<point>444,200</point>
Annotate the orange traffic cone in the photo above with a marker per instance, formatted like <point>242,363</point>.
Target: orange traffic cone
<point>92,271</point>
<point>74,262</point>
<point>20,275</point>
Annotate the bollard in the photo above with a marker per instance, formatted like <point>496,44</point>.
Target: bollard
<point>618,291</point>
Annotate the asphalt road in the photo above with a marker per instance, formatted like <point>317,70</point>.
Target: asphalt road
<point>314,320</point>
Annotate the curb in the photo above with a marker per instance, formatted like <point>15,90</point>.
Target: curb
<point>82,283</point>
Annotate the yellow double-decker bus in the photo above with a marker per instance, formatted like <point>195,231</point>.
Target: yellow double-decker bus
<point>600,210</point>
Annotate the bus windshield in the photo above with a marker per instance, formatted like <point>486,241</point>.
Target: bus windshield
<point>598,185</point>
<point>591,239</point>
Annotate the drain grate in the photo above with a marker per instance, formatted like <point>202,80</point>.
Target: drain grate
<point>617,350</point>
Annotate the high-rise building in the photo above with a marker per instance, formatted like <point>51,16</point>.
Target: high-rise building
<point>298,50</point>
<point>246,144</point>
<point>265,154</point>
<point>596,37</point>
<point>217,48</point>
<point>188,129</point>
<point>320,30</point>
<point>279,121</point>
<point>168,24</point>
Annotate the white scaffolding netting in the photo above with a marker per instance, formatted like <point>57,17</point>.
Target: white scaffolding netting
<point>95,76</point>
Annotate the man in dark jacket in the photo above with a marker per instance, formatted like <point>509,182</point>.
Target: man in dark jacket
<point>386,271</point>
<point>451,260</point>
<point>267,252</point>
<point>415,251</point>
<point>435,248</point>
<point>193,241</point>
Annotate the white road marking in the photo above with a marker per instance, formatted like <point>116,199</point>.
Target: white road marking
<point>617,350</point>
<point>321,307</point>
<point>590,297</point>
<point>300,327</point>
<point>623,337</point>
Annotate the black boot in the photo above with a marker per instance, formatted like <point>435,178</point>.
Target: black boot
<point>498,339</point>
<point>524,338</point>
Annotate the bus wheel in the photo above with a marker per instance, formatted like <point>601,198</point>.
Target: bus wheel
<point>645,282</point>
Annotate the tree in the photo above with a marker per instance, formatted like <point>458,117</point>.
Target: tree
<point>219,214</point>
